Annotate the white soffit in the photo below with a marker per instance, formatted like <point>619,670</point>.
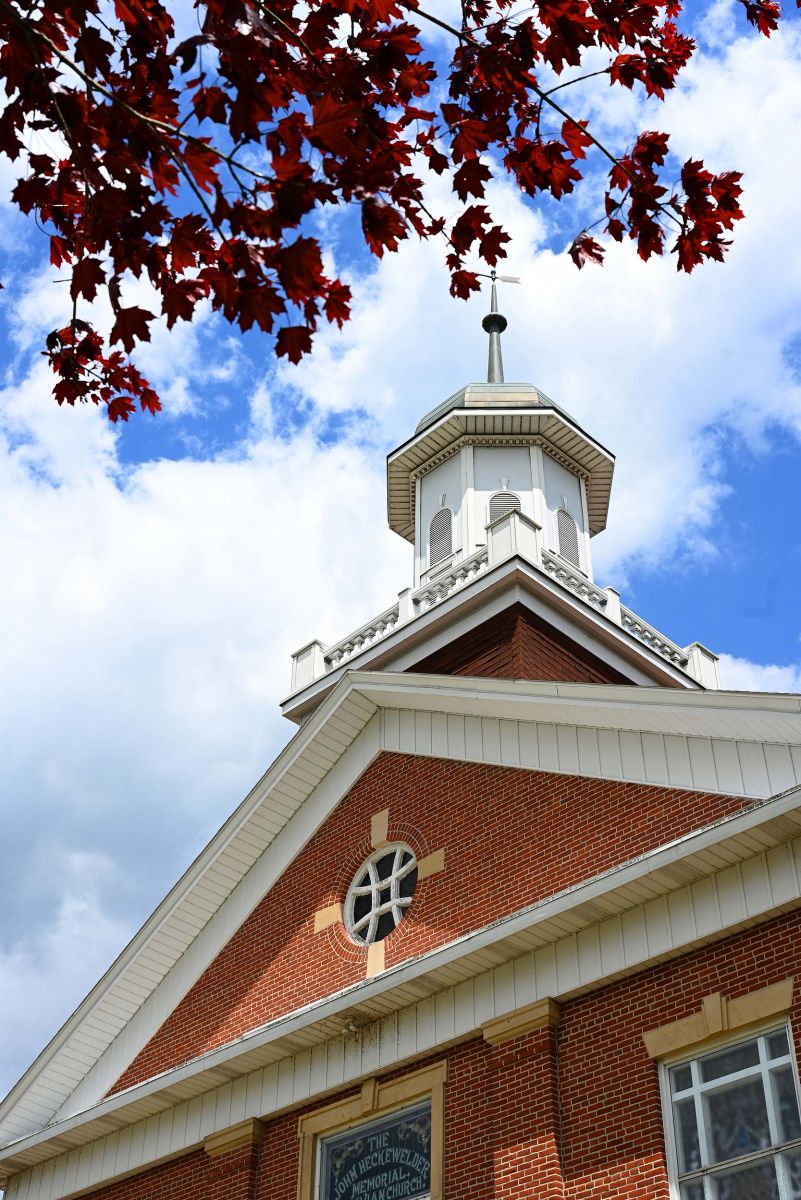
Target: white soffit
<point>312,774</point>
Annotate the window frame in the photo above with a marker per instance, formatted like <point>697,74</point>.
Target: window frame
<point>374,1100</point>
<point>727,1040</point>
<point>394,903</point>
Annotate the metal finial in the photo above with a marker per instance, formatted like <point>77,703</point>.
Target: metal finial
<point>494,324</point>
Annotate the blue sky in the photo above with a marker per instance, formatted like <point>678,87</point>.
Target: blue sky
<point>158,575</point>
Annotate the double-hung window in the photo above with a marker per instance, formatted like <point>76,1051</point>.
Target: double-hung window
<point>734,1127</point>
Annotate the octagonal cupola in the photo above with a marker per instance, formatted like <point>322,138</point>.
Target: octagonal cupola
<point>489,449</point>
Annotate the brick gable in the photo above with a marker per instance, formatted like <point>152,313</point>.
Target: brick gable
<point>547,832</point>
<point>517,644</point>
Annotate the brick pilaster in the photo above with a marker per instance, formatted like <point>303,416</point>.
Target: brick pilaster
<point>525,1117</point>
<point>233,1159</point>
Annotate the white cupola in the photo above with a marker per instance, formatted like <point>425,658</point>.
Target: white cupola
<point>491,448</point>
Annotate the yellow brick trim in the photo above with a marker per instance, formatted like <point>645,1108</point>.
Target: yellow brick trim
<point>325,917</point>
<point>539,1015</point>
<point>375,959</point>
<point>431,864</point>
<point>379,829</point>
<point>246,1133</point>
<point>375,1099</point>
<point>719,1014</point>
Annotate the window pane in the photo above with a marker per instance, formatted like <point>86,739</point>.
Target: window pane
<point>681,1078</point>
<point>737,1119</point>
<point>747,1183</point>
<point>687,1136</point>
<point>692,1191</point>
<point>786,1104</point>
<point>792,1163</point>
<point>726,1062</point>
<point>777,1045</point>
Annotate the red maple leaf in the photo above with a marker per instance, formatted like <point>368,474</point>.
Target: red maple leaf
<point>293,342</point>
<point>300,268</point>
<point>202,163</point>
<point>87,276</point>
<point>131,326</point>
<point>382,225</point>
<point>585,249</point>
<point>576,138</point>
<point>469,180</point>
<point>331,128</point>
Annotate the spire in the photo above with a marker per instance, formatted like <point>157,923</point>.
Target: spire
<point>494,324</point>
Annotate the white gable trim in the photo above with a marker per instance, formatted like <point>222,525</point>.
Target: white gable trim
<point>245,897</point>
<point>700,764</point>
<point>562,727</point>
<point>594,953</point>
<point>587,639</point>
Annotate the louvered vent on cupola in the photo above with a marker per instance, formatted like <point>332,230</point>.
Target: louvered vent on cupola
<point>502,503</point>
<point>440,536</point>
<point>567,532</point>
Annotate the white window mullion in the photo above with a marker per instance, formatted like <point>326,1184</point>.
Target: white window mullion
<point>700,1115</point>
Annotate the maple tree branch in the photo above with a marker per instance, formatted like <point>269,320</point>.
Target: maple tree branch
<point>546,98</point>
<point>578,79</point>
<point>153,122</point>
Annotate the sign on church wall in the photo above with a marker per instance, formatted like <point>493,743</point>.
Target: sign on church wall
<point>387,1159</point>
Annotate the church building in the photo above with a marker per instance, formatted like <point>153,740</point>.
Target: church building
<point>515,915</point>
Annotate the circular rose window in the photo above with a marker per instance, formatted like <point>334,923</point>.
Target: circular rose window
<point>381,892</point>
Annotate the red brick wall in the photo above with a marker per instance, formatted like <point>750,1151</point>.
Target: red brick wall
<point>574,1115</point>
<point>547,832</point>
<point>612,1133</point>
<point>519,645</point>
<point>524,1108</point>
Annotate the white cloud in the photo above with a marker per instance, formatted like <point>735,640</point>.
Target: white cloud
<point>47,971</point>
<point>740,675</point>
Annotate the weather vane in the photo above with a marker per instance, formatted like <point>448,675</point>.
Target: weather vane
<point>494,324</point>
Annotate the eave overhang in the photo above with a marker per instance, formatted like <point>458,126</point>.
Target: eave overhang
<point>526,424</point>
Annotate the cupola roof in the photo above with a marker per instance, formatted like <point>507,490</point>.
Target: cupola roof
<point>492,413</point>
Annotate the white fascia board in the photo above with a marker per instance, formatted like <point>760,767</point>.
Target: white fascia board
<point>434,628</point>
<point>603,884</point>
<point>600,706</point>
<point>191,878</point>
